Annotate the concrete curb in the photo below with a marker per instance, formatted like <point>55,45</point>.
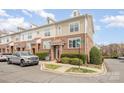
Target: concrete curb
<point>100,72</point>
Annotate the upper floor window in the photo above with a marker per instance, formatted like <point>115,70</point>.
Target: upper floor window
<point>23,37</point>
<point>38,32</point>
<point>17,38</point>
<point>29,35</point>
<point>47,33</point>
<point>74,27</point>
<point>59,30</point>
<point>74,42</point>
<point>7,40</point>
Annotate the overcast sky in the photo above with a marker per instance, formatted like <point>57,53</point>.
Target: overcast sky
<point>108,24</point>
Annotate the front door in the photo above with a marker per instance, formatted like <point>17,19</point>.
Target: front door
<point>33,50</point>
<point>56,52</point>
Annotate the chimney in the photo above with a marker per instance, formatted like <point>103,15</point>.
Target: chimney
<point>75,13</point>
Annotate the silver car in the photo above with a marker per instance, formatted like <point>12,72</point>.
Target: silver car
<point>23,58</point>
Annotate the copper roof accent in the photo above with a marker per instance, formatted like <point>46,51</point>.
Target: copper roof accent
<point>58,42</point>
<point>20,44</point>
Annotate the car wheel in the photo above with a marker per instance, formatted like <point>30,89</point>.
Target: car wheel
<point>8,62</point>
<point>22,63</point>
<point>36,64</point>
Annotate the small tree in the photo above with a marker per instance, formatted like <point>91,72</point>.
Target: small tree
<point>114,54</point>
<point>95,56</point>
<point>83,57</point>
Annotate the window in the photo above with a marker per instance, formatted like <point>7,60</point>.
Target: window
<point>23,37</point>
<point>46,44</point>
<point>0,41</point>
<point>38,32</point>
<point>28,45</point>
<point>75,13</point>
<point>59,30</point>
<point>74,42</point>
<point>47,33</point>
<point>17,38</point>
<point>29,35</point>
<point>74,27</point>
<point>7,40</point>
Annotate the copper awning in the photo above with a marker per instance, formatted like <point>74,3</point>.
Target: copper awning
<point>57,42</point>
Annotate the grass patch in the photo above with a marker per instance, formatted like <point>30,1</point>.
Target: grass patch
<point>52,66</point>
<point>93,66</point>
<point>80,70</point>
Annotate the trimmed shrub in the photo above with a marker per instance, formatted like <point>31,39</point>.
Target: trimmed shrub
<point>75,55</point>
<point>65,60</point>
<point>75,61</point>
<point>70,55</point>
<point>114,54</point>
<point>95,56</point>
<point>42,55</point>
<point>83,58</point>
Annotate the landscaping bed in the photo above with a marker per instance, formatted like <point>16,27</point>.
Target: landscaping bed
<point>93,66</point>
<point>80,70</point>
<point>51,66</point>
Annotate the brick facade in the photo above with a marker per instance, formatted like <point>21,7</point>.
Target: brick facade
<point>59,42</point>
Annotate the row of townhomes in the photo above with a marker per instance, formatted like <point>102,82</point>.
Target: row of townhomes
<point>71,35</point>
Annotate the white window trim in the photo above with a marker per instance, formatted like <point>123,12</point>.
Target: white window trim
<point>59,32</point>
<point>74,23</point>
<point>73,39</point>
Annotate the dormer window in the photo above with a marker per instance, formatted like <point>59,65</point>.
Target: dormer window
<point>75,13</point>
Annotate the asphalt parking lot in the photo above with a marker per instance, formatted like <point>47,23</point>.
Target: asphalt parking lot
<point>33,74</point>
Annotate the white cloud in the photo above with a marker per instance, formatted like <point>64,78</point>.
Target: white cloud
<point>27,13</point>
<point>114,21</point>
<point>11,24</point>
<point>97,27</point>
<point>43,13</point>
<point>3,13</point>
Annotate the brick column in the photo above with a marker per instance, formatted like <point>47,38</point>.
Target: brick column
<point>51,53</point>
<point>60,52</point>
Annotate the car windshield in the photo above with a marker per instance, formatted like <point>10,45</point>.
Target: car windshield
<point>26,53</point>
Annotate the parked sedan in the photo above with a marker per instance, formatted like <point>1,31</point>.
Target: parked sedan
<point>3,58</point>
<point>23,58</point>
<point>122,58</point>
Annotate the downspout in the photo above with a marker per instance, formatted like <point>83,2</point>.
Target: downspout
<point>85,40</point>
<point>85,31</point>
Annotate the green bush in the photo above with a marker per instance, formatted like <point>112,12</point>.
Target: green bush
<point>95,56</point>
<point>42,55</point>
<point>75,61</point>
<point>114,54</point>
<point>83,58</point>
<point>65,60</point>
<point>75,55</point>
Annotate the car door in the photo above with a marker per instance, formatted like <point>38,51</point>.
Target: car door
<point>15,58</point>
